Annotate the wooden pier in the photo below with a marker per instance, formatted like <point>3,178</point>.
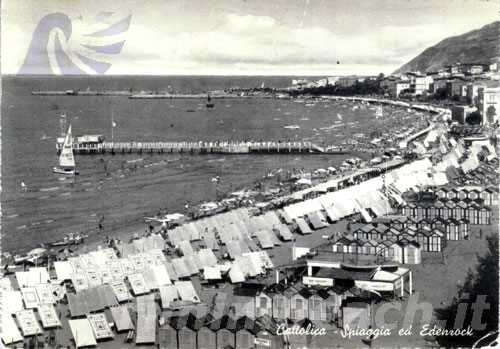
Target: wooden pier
<point>271,147</point>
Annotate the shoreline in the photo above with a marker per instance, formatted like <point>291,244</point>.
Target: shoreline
<point>124,229</point>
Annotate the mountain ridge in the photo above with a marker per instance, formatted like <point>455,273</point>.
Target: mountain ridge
<point>477,46</point>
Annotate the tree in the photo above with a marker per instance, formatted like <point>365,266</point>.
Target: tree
<point>483,282</point>
<point>473,118</point>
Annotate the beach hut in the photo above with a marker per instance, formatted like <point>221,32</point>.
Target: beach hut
<point>383,248</point>
<point>281,303</point>
<point>263,304</point>
<point>332,298</point>
<point>473,193</point>
<point>431,240</point>
<point>186,337</point>
<point>452,194</point>
<point>462,194</point>
<point>341,245</point>
<point>464,227</point>
<point>409,209</point>
<point>167,335</point>
<point>441,193</point>
<point>489,196</point>
<point>225,328</point>
<point>379,230</point>
<point>439,223</point>
<point>318,306</point>
<point>396,252</point>
<point>364,232</point>
<point>246,331</point>
<point>392,234</point>
<point>412,252</point>
<point>207,338</point>
<point>299,302</point>
<point>449,209</point>
<point>452,229</point>
<point>435,210</point>
<point>353,246</point>
<point>267,336</point>
<point>356,313</point>
<point>483,215</point>
<point>459,211</point>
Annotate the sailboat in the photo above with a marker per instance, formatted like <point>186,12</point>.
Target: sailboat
<point>66,158</point>
<point>209,102</point>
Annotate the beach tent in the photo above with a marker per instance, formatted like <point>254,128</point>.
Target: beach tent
<point>100,326</point>
<point>160,274</point>
<point>29,297</point>
<point>317,220</point>
<point>120,290</point>
<point>211,273</point>
<point>48,315</point>
<point>207,257</point>
<point>186,248</point>
<point>28,323</point>
<point>121,318</point>
<point>168,294</point>
<point>115,269</point>
<point>264,238</point>
<point>233,249</point>
<point>64,270</point>
<point>32,277</point>
<point>180,267</point>
<point>236,275</point>
<point>284,232</point>
<point>12,301</point>
<point>82,333</point>
<point>138,284</point>
<point>171,272</point>
<point>186,291</point>
<point>79,281</point>
<point>146,320</point>
<point>303,226</point>
<point>10,332</point>
<point>44,294</point>
<point>191,265</point>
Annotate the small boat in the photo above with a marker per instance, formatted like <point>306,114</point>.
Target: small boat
<point>209,104</point>
<point>379,112</point>
<point>292,127</point>
<point>70,239</point>
<point>67,159</point>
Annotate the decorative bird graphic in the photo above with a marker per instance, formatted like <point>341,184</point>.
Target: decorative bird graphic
<point>61,46</point>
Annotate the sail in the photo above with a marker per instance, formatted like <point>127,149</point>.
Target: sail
<point>66,159</point>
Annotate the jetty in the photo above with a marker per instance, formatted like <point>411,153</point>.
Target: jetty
<point>204,147</point>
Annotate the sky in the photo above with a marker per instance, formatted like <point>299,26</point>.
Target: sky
<point>239,37</point>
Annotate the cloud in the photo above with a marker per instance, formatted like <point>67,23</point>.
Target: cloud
<point>246,42</point>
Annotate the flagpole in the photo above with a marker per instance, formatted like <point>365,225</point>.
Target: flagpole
<point>112,126</point>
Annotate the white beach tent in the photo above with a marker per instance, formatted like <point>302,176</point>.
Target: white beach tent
<point>10,331</point>
<point>82,333</point>
<point>64,270</point>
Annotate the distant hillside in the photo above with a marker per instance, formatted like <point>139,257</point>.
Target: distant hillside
<point>477,46</point>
